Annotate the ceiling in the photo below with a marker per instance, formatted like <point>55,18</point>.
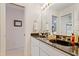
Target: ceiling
<point>56,6</point>
<point>59,6</point>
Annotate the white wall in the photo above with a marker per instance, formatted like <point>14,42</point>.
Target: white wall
<point>76,18</point>
<point>32,13</point>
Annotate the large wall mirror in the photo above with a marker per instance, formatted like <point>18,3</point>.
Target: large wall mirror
<point>58,18</point>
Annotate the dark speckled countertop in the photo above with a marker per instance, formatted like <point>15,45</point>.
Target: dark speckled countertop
<point>66,49</point>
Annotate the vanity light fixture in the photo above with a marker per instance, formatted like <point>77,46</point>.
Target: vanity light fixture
<point>46,5</point>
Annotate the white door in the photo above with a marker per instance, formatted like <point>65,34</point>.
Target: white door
<point>15,29</point>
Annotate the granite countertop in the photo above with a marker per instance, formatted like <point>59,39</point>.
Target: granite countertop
<point>66,49</point>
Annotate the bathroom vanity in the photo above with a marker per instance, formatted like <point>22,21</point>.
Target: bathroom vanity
<point>43,47</point>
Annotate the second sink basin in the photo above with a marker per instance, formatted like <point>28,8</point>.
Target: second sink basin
<point>61,42</point>
<point>65,43</point>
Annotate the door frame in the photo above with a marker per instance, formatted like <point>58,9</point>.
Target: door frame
<point>2,29</point>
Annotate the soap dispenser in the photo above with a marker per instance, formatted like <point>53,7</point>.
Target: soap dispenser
<point>73,41</point>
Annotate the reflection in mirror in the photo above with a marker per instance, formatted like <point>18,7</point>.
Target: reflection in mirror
<point>54,22</point>
<point>66,23</point>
